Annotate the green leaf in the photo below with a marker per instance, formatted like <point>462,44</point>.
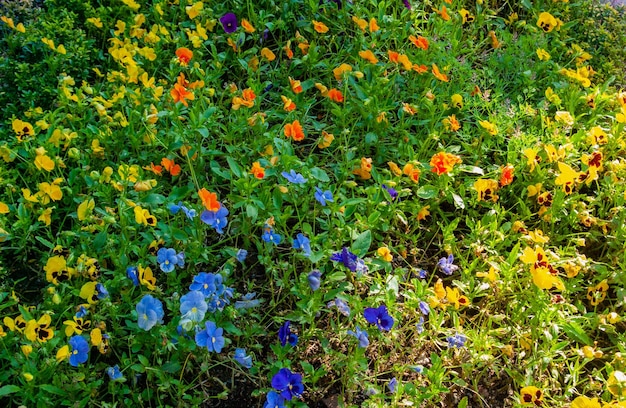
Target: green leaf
<point>427,192</point>
<point>252,212</point>
<point>156,199</point>
<point>217,169</point>
<point>52,389</point>
<point>100,241</point>
<point>143,360</point>
<point>319,174</point>
<point>230,328</point>
<point>362,243</point>
<point>9,389</point>
<point>234,167</point>
<point>316,256</point>
<point>44,241</point>
<point>576,333</point>
<point>373,217</point>
<point>171,367</point>
<point>179,234</point>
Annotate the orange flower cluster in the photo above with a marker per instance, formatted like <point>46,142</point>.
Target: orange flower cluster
<point>247,99</point>
<point>180,93</point>
<point>443,163</point>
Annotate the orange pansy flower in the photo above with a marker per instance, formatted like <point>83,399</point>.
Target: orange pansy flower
<point>248,94</point>
<point>287,49</point>
<point>506,177</point>
<point>294,130</point>
<point>319,27</point>
<point>373,25</point>
<point>180,94</point>
<point>405,61</point>
<point>170,166</point>
<point>257,170</point>
<point>335,95</point>
<point>443,162</point>
<point>288,104</point>
<point>296,87</point>
<point>420,69</point>
<point>209,200</point>
<point>184,56</point>
<point>369,56</point>
<point>393,56</point>
<point>249,28</point>
<point>419,42</point>
<point>268,54</point>
<point>338,72</point>
<point>443,13</point>
<point>439,75</point>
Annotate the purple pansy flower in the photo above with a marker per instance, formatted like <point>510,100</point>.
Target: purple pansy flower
<point>229,22</point>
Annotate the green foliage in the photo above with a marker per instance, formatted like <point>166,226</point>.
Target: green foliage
<point>468,176</point>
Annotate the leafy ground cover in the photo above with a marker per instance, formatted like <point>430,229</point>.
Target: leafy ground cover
<point>303,203</point>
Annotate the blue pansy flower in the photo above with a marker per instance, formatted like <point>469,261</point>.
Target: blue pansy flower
<point>175,208</point>
<point>293,177</point>
<point>341,305</point>
<point>393,383</point>
<point>229,22</point>
<point>149,312</point>
<point>286,336</point>
<point>114,373</point>
<point>247,301</point>
<point>314,279</point>
<point>216,219</point>
<point>424,308</point>
<point>206,283</point>
<point>345,257</point>
<point>323,196</point>
<point>133,274</point>
<point>101,291</point>
<point>274,400</point>
<point>288,384</point>
<point>361,336</point>
<point>168,259</point>
<point>446,265</point>
<point>241,255</point>
<point>193,307</point>
<point>212,338</point>
<point>379,317</point>
<point>456,341</point>
<point>392,192</point>
<point>242,358</point>
<point>82,312</point>
<point>420,325</point>
<point>80,350</point>
<point>303,243</point>
<point>270,236</point>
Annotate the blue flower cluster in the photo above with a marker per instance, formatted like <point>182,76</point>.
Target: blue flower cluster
<point>211,285</point>
<point>287,386</point>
